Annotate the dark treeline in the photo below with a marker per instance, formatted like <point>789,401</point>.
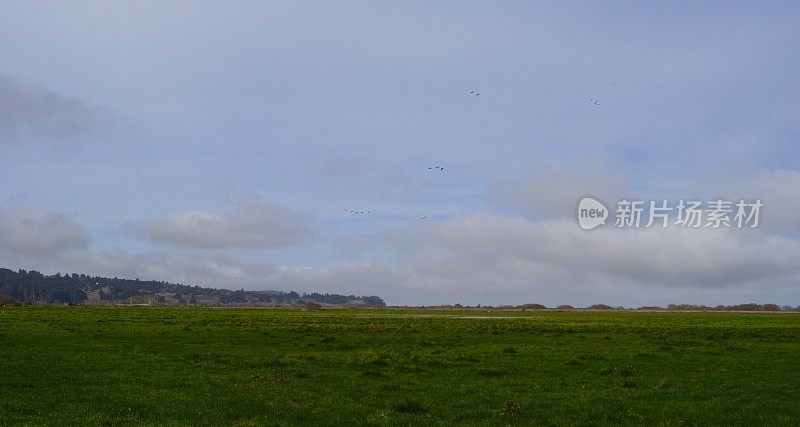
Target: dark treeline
<point>736,307</point>
<point>33,287</point>
<point>29,286</point>
<point>671,307</point>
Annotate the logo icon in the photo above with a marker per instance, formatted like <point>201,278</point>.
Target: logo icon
<point>592,213</point>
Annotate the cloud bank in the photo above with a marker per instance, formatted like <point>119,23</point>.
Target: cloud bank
<point>251,224</point>
<point>477,259</point>
<point>39,232</point>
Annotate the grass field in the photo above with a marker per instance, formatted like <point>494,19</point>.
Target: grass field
<point>81,365</point>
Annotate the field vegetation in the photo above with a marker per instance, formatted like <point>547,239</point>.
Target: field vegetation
<point>234,366</point>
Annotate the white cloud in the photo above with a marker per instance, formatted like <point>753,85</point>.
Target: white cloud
<point>555,192</point>
<point>779,190</point>
<point>478,259</point>
<point>489,257</point>
<point>253,223</point>
<point>220,271</point>
<point>39,232</point>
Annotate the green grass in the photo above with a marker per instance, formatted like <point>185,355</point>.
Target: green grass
<point>81,365</point>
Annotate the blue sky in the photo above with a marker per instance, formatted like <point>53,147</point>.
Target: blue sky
<point>201,141</point>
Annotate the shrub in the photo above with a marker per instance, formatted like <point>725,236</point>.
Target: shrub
<point>532,307</point>
<point>312,305</point>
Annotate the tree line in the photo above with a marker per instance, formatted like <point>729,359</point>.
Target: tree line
<point>34,287</point>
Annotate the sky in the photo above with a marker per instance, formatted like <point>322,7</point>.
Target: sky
<point>223,143</point>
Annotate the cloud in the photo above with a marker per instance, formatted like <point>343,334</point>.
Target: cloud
<point>29,112</point>
<point>779,190</point>
<point>39,232</point>
<point>364,278</point>
<point>354,246</point>
<point>489,257</point>
<point>555,192</point>
<point>252,224</point>
<point>214,271</point>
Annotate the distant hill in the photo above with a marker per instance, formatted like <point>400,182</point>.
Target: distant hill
<point>33,287</point>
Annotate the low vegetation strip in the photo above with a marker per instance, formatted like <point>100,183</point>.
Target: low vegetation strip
<point>201,366</point>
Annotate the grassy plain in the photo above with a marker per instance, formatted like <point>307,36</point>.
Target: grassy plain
<point>156,366</point>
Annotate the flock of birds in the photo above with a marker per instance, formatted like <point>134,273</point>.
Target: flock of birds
<point>594,102</point>
<point>423,218</point>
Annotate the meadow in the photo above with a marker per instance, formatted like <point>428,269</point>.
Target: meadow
<point>215,366</point>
